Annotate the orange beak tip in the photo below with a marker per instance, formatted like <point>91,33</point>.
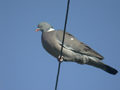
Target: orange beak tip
<point>37,30</point>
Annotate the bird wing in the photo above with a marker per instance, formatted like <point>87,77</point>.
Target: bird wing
<point>71,43</point>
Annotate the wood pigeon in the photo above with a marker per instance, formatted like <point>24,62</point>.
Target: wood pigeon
<point>73,49</point>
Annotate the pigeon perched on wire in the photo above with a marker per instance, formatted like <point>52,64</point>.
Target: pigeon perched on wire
<point>73,49</point>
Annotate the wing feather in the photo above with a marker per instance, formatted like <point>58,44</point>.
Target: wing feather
<point>75,45</point>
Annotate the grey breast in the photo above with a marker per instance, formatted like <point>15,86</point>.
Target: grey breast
<point>49,43</point>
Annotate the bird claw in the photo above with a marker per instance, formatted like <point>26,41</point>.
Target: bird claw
<point>60,58</point>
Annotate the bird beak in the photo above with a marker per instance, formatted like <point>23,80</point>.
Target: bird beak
<point>38,29</point>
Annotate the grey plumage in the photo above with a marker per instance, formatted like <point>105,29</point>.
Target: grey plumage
<point>73,49</point>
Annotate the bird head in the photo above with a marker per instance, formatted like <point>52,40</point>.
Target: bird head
<point>44,27</point>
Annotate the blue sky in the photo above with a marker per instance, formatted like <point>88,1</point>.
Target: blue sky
<point>25,65</point>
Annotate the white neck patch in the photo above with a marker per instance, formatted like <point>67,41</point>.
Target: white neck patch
<point>51,29</point>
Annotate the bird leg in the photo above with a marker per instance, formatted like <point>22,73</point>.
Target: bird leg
<point>60,58</point>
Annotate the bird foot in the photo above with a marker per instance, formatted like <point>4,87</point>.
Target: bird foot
<point>60,58</point>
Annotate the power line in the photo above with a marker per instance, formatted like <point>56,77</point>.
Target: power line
<point>62,44</point>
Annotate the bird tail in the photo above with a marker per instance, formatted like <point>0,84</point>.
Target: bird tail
<point>102,66</point>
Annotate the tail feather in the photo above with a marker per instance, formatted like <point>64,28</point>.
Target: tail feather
<point>103,66</point>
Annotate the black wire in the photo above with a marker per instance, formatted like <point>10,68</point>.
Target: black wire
<point>62,44</point>
<point>57,75</point>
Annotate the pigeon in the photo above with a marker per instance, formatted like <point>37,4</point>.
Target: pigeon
<point>73,49</point>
